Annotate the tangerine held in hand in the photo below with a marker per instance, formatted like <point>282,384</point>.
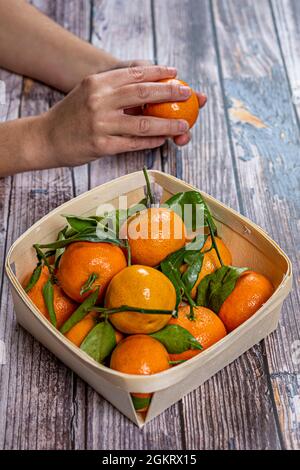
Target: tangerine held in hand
<point>187,110</point>
<point>63,305</point>
<point>153,234</point>
<point>142,355</point>
<point>206,327</point>
<point>141,287</point>
<point>82,259</point>
<point>251,291</point>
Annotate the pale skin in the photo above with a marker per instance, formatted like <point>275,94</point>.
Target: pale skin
<point>101,114</point>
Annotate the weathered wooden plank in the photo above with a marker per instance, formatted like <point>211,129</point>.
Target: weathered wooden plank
<point>265,140</point>
<point>9,109</point>
<point>287,22</point>
<point>125,29</point>
<point>37,407</point>
<point>10,92</point>
<point>36,395</point>
<point>75,16</point>
<point>212,420</point>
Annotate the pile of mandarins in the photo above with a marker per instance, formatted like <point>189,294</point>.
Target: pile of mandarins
<point>137,338</point>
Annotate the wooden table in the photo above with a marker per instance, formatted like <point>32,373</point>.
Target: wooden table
<point>245,55</point>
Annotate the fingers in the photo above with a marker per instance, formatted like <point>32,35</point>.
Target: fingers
<point>141,73</point>
<point>132,144</point>
<point>135,63</point>
<point>147,126</point>
<point>138,111</point>
<point>202,99</point>
<point>136,95</point>
<point>183,139</point>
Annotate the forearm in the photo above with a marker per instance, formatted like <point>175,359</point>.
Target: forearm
<point>24,145</point>
<point>31,44</point>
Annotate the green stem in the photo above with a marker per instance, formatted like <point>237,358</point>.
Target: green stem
<point>83,309</point>
<point>174,363</point>
<point>128,253</point>
<point>149,192</point>
<point>128,308</point>
<point>34,277</point>
<point>42,256</point>
<point>48,295</point>
<point>87,286</point>
<point>214,242</point>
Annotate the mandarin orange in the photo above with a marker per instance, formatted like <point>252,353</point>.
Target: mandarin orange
<point>79,331</point>
<point>187,110</point>
<point>141,355</point>
<point>153,234</point>
<point>141,287</point>
<point>206,327</point>
<point>63,305</point>
<point>81,260</point>
<point>251,291</point>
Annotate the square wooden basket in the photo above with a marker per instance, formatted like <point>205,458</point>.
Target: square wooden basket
<point>249,245</point>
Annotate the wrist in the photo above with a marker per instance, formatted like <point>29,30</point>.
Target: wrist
<point>38,149</point>
<point>86,60</point>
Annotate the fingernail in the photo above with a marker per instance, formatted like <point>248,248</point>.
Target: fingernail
<point>171,70</point>
<point>183,126</point>
<point>185,90</point>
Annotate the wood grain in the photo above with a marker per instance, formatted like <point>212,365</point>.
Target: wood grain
<point>37,388</point>
<point>286,15</point>
<point>211,420</point>
<point>8,111</point>
<point>247,61</point>
<point>267,162</point>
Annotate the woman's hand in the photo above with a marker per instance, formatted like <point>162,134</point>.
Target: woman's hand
<point>96,118</point>
<point>181,139</point>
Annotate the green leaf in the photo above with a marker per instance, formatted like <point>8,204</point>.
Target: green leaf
<point>48,295</point>
<point>114,220</point>
<point>81,224</point>
<point>43,257</point>
<point>176,339</point>
<point>140,403</point>
<point>87,286</point>
<point>83,309</point>
<point>34,277</point>
<point>58,253</point>
<point>214,288</point>
<point>194,260</point>
<point>170,266</point>
<point>182,203</point>
<point>103,226</point>
<point>100,341</point>
<point>89,236</point>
